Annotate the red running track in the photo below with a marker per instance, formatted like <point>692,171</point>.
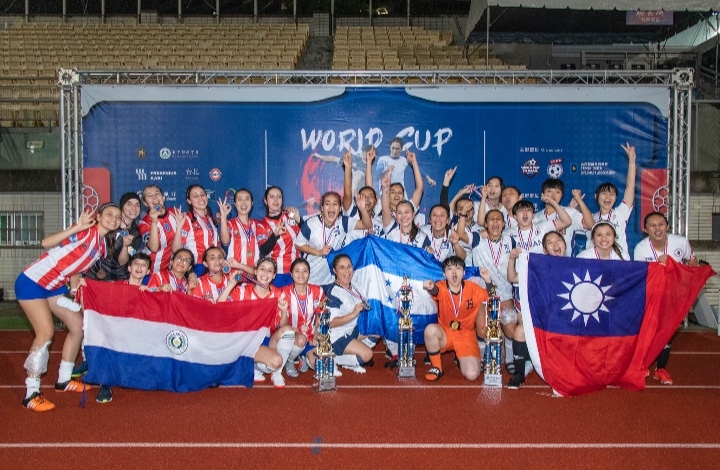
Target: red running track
<point>372,421</point>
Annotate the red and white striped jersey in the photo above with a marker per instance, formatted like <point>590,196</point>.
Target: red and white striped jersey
<point>284,252</point>
<point>198,234</point>
<point>167,226</point>
<point>247,292</point>
<point>178,284</point>
<point>208,289</point>
<point>245,240</point>
<point>301,308</point>
<point>76,254</point>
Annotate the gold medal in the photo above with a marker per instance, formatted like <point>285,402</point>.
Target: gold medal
<point>454,325</point>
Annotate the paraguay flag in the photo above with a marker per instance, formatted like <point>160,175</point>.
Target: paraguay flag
<point>590,323</point>
<point>170,341</point>
<point>379,268</point>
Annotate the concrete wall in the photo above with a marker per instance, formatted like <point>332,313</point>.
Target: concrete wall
<point>14,259</point>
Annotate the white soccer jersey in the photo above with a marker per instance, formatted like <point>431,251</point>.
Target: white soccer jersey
<point>341,302</point>
<point>494,256</point>
<point>618,217</point>
<point>676,247</point>
<point>441,247</point>
<point>590,253</point>
<point>314,233</point>
<point>530,240</point>
<point>577,224</point>
<point>354,215</point>
<point>394,234</point>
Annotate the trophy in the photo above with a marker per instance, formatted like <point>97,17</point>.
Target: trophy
<point>406,343</point>
<point>493,342</point>
<point>325,362</point>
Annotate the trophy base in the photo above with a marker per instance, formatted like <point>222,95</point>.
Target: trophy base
<point>406,372</point>
<point>493,380</point>
<point>326,384</point>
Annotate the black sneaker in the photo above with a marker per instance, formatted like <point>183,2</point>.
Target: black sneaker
<point>104,395</point>
<point>80,370</point>
<point>510,366</point>
<point>392,363</point>
<point>426,361</point>
<point>516,381</point>
<point>369,363</point>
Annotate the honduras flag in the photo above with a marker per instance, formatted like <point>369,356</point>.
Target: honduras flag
<point>379,268</point>
<point>591,323</point>
<point>170,341</point>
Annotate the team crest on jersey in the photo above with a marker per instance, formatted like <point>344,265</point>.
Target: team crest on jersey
<point>93,253</point>
<point>184,233</point>
<point>145,238</point>
<point>166,226</point>
<point>678,253</point>
<point>177,342</point>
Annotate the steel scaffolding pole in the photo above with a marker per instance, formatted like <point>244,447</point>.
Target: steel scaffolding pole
<point>70,145</point>
<point>680,151</point>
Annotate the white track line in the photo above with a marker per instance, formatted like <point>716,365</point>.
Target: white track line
<point>411,385</point>
<point>352,445</point>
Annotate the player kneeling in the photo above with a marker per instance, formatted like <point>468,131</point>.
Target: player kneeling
<point>461,316</point>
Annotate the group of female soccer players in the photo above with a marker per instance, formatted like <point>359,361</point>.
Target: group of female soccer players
<point>283,256</point>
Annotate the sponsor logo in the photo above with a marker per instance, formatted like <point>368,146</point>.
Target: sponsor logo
<point>596,169</point>
<point>177,342</point>
<point>555,168</point>
<point>215,174</point>
<point>530,168</point>
<point>91,199</point>
<point>192,174</point>
<point>141,153</point>
<point>141,175</point>
<point>165,153</point>
<point>159,175</point>
<point>170,196</point>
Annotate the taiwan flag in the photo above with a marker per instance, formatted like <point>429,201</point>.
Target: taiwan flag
<point>170,341</point>
<point>590,323</point>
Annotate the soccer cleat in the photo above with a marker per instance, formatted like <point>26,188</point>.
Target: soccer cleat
<point>392,363</point>
<point>37,402</point>
<point>258,377</point>
<point>516,381</point>
<point>304,364</point>
<point>434,374</point>
<point>277,379</point>
<point>663,376</point>
<point>104,395</point>
<point>356,369</point>
<point>68,304</point>
<point>336,371</point>
<point>290,369</point>
<point>80,370</point>
<point>71,386</point>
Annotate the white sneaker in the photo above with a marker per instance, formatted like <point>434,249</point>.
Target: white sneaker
<point>336,372</point>
<point>69,304</point>
<point>277,379</point>
<point>304,364</point>
<point>259,377</point>
<point>290,369</point>
<point>356,369</point>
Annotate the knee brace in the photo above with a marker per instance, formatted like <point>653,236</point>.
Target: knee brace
<point>37,361</point>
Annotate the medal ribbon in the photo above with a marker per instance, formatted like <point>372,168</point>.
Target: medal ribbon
<point>249,235</point>
<point>354,292</point>
<point>495,257</point>
<point>655,252</point>
<point>523,245</point>
<point>302,305</point>
<point>437,251</point>
<point>452,299</point>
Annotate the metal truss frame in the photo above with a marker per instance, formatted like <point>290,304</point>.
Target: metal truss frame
<point>679,82</point>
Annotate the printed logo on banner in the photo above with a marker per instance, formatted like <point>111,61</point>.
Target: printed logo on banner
<point>555,168</point>
<point>158,175</point>
<point>177,342</point>
<point>215,174</point>
<point>165,153</point>
<point>530,168</point>
<point>141,175</point>
<point>192,174</point>
<point>574,168</point>
<point>596,169</point>
<point>170,196</point>
<point>661,200</point>
<point>141,153</point>
<point>91,199</point>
